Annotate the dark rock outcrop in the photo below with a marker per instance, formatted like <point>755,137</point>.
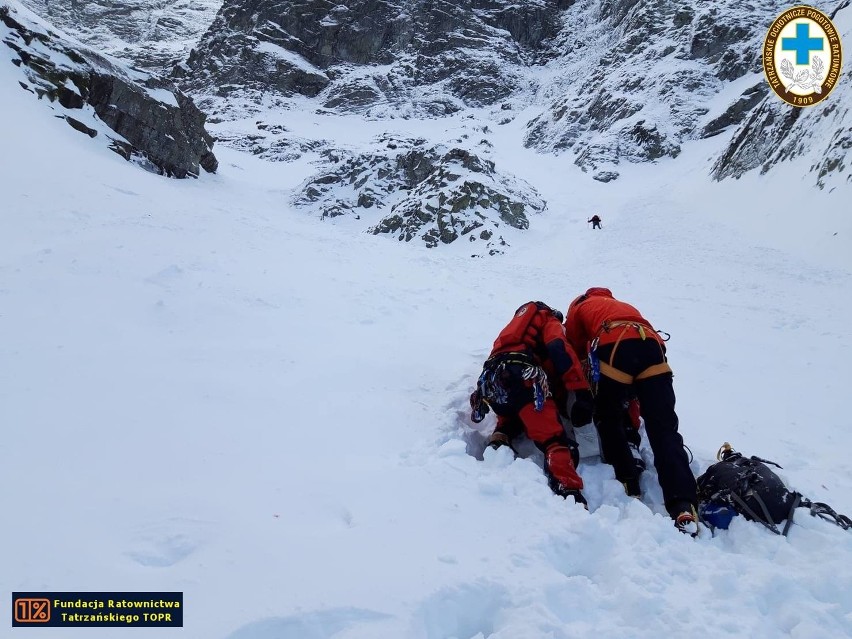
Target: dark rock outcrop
<point>737,111</point>
<point>413,191</point>
<point>155,121</point>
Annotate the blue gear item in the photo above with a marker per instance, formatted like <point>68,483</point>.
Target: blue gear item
<point>717,515</point>
<point>594,363</point>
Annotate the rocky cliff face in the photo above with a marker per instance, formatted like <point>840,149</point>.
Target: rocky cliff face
<point>148,119</point>
<point>379,57</point>
<point>148,34</point>
<point>774,132</point>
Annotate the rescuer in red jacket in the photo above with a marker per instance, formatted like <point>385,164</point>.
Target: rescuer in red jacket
<point>625,354</point>
<point>530,363</point>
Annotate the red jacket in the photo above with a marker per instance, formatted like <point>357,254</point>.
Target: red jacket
<point>593,314</point>
<point>535,330</point>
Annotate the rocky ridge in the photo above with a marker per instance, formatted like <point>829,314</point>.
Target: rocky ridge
<point>411,190</point>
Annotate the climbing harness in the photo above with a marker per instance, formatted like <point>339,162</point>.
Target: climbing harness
<point>500,376</point>
<point>596,367</point>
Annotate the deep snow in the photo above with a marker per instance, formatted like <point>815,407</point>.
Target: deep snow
<point>204,390</point>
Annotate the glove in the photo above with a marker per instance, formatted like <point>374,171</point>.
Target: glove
<point>499,439</point>
<point>583,409</point>
<point>478,408</point>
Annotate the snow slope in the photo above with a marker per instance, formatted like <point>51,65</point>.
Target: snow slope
<point>205,390</point>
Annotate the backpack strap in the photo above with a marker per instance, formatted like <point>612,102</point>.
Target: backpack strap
<point>817,509</point>
<point>767,521</point>
<point>797,501</point>
<point>765,461</point>
<point>797,498</point>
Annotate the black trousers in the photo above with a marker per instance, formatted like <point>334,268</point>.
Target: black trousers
<point>657,404</point>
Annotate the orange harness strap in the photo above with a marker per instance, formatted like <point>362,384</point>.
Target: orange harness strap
<point>620,376</point>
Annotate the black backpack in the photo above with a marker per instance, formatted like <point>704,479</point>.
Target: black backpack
<point>747,486</point>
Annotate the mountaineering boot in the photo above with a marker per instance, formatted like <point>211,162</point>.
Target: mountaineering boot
<point>631,484</point>
<point>565,493</point>
<point>631,487</point>
<point>499,439</point>
<point>578,498</point>
<point>687,520</point>
<point>576,495</point>
<point>637,457</point>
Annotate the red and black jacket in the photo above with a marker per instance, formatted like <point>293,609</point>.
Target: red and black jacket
<point>537,331</point>
<point>592,314</point>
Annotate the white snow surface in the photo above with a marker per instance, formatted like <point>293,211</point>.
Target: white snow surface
<point>204,390</point>
<point>280,53</point>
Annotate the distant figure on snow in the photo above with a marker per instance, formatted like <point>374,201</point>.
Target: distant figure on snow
<point>595,220</point>
<point>530,353</point>
<point>631,358</point>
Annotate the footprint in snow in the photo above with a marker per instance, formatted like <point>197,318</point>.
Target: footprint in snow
<point>322,624</point>
<point>164,544</point>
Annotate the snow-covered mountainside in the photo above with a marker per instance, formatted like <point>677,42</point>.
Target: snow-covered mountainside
<point>148,34</point>
<point>141,116</point>
<point>614,80</point>
<point>633,80</point>
<point>605,82</point>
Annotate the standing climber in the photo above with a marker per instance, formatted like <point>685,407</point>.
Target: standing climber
<point>595,220</point>
<point>530,353</point>
<point>626,355</point>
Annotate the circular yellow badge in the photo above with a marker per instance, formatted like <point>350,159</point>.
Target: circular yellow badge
<point>802,56</point>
